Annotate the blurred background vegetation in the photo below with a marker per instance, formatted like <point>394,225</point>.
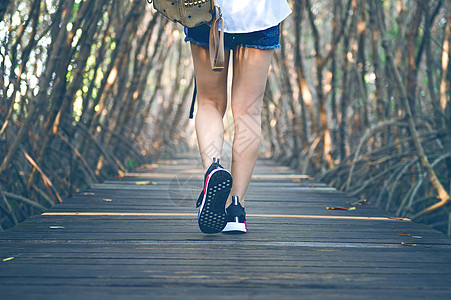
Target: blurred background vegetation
<point>358,97</point>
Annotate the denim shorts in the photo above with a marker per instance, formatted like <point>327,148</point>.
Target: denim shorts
<point>263,39</point>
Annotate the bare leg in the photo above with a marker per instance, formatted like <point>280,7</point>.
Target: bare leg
<point>250,72</point>
<point>211,103</point>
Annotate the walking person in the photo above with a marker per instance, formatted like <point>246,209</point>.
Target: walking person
<point>252,29</point>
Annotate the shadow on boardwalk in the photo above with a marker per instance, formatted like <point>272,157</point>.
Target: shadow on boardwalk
<point>137,237</point>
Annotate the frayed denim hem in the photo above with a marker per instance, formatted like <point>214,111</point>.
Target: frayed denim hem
<point>191,40</point>
<point>261,47</point>
<point>202,44</point>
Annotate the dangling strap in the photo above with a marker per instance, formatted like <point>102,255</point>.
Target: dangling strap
<point>216,42</point>
<point>191,111</point>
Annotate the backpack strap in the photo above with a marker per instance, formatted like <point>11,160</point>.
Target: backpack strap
<point>216,42</point>
<point>191,111</point>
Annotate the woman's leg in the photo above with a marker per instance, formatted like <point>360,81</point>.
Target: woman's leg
<point>211,103</point>
<point>250,72</point>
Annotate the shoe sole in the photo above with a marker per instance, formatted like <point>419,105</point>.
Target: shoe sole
<point>212,213</point>
<point>235,227</point>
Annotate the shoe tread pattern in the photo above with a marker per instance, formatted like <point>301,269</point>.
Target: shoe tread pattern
<point>212,217</point>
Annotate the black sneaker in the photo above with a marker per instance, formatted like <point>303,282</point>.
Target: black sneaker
<point>236,218</point>
<point>217,185</point>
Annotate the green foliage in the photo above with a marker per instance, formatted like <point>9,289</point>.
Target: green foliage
<point>131,164</point>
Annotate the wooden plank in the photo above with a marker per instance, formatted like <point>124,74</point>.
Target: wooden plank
<point>284,216</point>
<point>314,291</point>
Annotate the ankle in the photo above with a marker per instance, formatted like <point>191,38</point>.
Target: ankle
<point>232,199</point>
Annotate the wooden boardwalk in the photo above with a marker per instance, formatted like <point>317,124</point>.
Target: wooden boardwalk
<point>137,238</point>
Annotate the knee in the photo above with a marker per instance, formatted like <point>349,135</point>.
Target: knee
<point>213,102</point>
<point>240,110</point>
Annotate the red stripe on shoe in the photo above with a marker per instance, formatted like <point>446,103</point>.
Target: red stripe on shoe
<point>206,182</point>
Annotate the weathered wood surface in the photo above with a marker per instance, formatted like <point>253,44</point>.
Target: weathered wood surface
<point>137,237</point>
